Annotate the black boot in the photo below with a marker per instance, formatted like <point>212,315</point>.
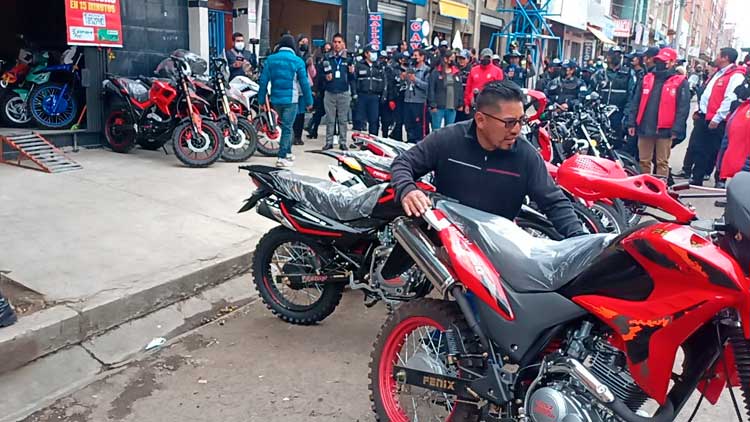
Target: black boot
<point>327,146</point>
<point>298,141</point>
<point>7,314</point>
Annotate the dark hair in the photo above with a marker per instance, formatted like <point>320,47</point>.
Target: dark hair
<point>420,52</point>
<point>474,51</point>
<point>498,91</point>
<point>287,40</point>
<point>237,34</point>
<point>730,53</point>
<point>338,35</point>
<point>447,54</point>
<point>300,37</point>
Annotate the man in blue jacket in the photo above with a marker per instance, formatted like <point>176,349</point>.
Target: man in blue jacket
<point>290,92</point>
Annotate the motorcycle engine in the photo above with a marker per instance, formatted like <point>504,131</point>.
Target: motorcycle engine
<point>562,398</point>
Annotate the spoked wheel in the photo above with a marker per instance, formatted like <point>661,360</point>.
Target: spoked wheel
<point>268,140</point>
<point>591,223</point>
<point>632,209</point>
<point>53,106</point>
<point>282,262</point>
<point>241,145</point>
<point>119,131</point>
<point>610,217</point>
<point>14,110</point>
<point>198,151</point>
<point>413,337</point>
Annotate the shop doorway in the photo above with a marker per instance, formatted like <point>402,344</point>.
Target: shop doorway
<point>314,19</point>
<point>393,32</point>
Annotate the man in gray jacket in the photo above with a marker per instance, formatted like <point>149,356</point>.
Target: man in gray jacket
<point>415,98</point>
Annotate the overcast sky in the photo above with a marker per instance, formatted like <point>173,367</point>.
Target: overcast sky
<point>739,11</point>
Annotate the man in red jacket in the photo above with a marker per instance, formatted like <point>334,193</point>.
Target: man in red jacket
<point>659,112</point>
<point>713,109</point>
<point>480,76</point>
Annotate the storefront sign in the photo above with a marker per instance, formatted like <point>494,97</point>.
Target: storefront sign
<point>623,28</point>
<point>588,50</point>
<point>94,22</point>
<point>375,29</point>
<point>417,2</point>
<point>415,34</point>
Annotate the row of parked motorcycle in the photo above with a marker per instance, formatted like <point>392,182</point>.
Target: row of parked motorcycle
<point>493,320</point>
<point>34,91</point>
<point>205,117</point>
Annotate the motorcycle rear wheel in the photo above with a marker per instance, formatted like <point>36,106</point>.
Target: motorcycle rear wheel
<point>427,317</point>
<point>282,298</point>
<point>591,222</point>
<point>610,217</point>
<point>119,133</point>
<point>238,150</point>
<point>197,152</point>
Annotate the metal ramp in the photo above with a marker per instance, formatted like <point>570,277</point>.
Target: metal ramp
<point>31,146</point>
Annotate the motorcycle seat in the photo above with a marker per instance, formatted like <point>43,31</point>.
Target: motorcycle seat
<point>737,212</point>
<point>135,88</point>
<point>526,263</point>
<point>328,198</point>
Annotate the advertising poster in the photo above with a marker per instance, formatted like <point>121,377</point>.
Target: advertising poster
<point>375,30</point>
<point>94,22</point>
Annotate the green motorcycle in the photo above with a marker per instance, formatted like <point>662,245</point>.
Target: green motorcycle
<point>14,105</point>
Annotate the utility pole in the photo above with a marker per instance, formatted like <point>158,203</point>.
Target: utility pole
<point>678,35</point>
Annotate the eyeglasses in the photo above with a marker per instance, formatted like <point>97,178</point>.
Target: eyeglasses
<point>509,123</point>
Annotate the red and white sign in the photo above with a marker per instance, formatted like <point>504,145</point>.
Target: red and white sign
<point>623,28</point>
<point>94,22</point>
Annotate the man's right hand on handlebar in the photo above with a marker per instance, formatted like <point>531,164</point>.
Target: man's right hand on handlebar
<point>415,203</point>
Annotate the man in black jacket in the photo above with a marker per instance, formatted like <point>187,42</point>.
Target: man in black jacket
<point>482,164</point>
<point>371,87</point>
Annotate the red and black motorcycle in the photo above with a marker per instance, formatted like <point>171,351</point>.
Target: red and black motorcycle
<point>150,111</point>
<point>586,329</point>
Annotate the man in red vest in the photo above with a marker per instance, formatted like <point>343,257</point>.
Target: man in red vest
<point>659,112</point>
<point>713,109</point>
<point>480,76</point>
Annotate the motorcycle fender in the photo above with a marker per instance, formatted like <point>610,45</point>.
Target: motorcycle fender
<point>250,202</point>
<point>23,93</point>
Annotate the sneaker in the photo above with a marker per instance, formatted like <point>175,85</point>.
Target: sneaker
<point>298,141</point>
<point>343,147</point>
<point>326,147</point>
<point>284,163</point>
<point>695,182</point>
<point>290,157</point>
<point>7,314</point>
<point>706,178</point>
<point>682,174</point>
<point>720,185</point>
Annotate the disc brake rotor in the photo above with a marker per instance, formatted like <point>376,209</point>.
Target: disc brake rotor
<point>199,144</point>
<point>237,141</point>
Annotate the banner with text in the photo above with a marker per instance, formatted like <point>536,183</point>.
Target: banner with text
<point>415,35</point>
<point>375,29</point>
<point>94,22</point>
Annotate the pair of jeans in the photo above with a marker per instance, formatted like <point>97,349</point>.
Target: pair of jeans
<point>415,119</point>
<point>337,107</point>
<point>443,114</point>
<point>663,147</point>
<point>368,108</point>
<point>706,147</point>
<point>287,114</point>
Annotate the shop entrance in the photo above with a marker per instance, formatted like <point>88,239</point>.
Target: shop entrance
<point>317,20</point>
<point>34,37</point>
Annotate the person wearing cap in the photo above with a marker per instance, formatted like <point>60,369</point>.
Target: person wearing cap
<point>437,57</point>
<point>648,57</point>
<point>481,75</point>
<point>520,74</point>
<point>397,85</point>
<point>636,65</point>
<point>567,90</point>
<point>463,60</point>
<point>497,61</point>
<point>550,74</point>
<point>290,92</point>
<point>445,95</point>
<point>661,106</point>
<point>615,85</point>
<point>713,109</point>
<point>371,86</point>
<point>415,98</point>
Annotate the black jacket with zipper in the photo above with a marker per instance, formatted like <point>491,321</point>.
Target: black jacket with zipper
<point>437,92</point>
<point>496,182</point>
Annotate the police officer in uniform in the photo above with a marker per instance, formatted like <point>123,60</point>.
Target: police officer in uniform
<point>568,88</point>
<point>463,61</point>
<point>370,89</point>
<point>615,85</point>
<point>550,74</point>
<point>515,71</point>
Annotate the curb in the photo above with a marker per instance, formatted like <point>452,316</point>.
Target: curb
<point>52,329</point>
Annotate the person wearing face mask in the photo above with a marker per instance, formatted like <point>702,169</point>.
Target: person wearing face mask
<point>615,85</point>
<point>568,87</point>
<point>487,148</point>
<point>397,79</point>
<point>661,106</point>
<point>480,76</point>
<point>551,72</point>
<point>415,97</point>
<point>371,87</point>
<point>463,60</point>
<point>240,60</point>
<point>445,94</point>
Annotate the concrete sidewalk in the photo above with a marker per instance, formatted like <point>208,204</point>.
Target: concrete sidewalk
<point>129,234</point>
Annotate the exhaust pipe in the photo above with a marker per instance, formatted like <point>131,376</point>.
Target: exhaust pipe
<point>421,250</point>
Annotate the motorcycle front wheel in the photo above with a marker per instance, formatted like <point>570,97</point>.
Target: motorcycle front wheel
<point>240,146</point>
<point>283,257</point>
<point>15,112</point>
<point>198,151</point>
<point>51,108</point>
<point>268,140</point>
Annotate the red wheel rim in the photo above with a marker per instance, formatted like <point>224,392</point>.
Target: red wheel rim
<point>117,118</point>
<point>186,134</point>
<point>386,382</point>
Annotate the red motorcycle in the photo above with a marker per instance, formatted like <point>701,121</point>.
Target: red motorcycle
<point>586,329</point>
<point>150,111</point>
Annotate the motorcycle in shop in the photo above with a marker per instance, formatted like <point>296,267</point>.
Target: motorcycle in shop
<point>18,83</point>
<point>151,111</point>
<point>240,136</point>
<point>53,104</point>
<point>616,309</point>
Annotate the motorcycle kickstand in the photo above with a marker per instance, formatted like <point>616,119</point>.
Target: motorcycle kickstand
<point>164,148</point>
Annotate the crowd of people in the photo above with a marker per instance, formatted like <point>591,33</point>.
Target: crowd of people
<point>417,91</point>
